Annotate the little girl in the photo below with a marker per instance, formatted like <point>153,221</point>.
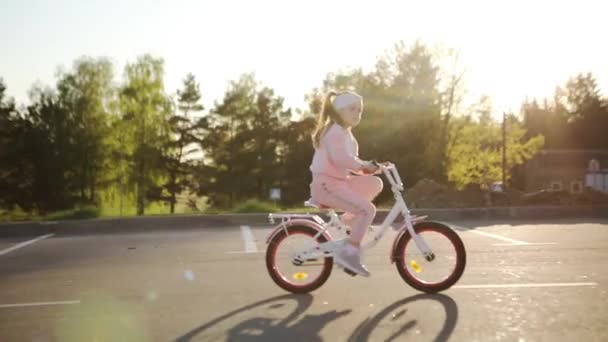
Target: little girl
<point>335,158</point>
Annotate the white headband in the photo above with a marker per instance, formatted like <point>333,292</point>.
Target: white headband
<point>346,99</point>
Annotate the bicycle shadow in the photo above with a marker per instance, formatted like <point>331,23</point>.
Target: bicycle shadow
<point>309,326</point>
<point>268,329</point>
<point>306,329</point>
<point>365,329</point>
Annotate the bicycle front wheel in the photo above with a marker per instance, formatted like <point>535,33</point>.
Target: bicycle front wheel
<point>437,272</point>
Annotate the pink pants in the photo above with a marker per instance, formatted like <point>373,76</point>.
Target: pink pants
<point>353,196</point>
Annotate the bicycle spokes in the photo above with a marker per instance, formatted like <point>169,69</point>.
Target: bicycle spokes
<point>295,268</point>
<point>432,266</point>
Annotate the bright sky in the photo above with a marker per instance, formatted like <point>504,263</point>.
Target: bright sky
<point>510,49</point>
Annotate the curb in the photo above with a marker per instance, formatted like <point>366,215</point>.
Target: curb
<point>194,222</point>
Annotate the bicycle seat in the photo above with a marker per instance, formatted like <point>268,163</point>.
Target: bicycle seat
<point>312,204</point>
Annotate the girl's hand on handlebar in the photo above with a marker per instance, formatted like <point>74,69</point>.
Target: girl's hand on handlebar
<point>371,168</point>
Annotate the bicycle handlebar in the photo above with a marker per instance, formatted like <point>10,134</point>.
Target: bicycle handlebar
<point>390,171</point>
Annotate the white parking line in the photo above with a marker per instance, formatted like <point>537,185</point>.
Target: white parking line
<point>510,242</point>
<point>249,240</point>
<point>23,244</point>
<point>503,286</point>
<point>497,237</point>
<point>243,252</point>
<point>18,305</point>
<point>525,244</point>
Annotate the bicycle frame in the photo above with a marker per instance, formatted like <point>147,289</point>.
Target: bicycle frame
<point>328,248</point>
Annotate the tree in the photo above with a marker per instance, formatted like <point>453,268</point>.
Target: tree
<point>50,150</point>
<point>295,160</point>
<point>11,177</point>
<point>35,153</point>
<point>451,99</point>
<point>581,94</point>
<point>145,108</point>
<point>575,118</point>
<point>549,120</point>
<point>587,113</point>
<point>86,93</point>
<point>402,110</point>
<point>224,145</point>
<point>244,142</point>
<point>476,157</point>
<point>185,136</point>
<point>266,136</point>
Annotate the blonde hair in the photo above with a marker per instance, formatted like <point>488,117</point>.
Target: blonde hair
<point>327,116</point>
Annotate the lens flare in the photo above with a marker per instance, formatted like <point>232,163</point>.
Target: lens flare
<point>189,275</point>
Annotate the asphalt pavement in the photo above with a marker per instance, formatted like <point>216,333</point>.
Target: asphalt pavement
<point>524,281</point>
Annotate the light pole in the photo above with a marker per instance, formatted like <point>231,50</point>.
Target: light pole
<point>504,151</point>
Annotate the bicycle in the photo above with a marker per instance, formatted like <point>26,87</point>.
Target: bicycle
<point>319,246</point>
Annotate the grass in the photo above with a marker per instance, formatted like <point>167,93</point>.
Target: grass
<point>17,215</point>
<point>88,212</point>
<point>255,206</point>
<point>154,209</point>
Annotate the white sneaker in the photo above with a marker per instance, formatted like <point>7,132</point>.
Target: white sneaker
<point>348,256</point>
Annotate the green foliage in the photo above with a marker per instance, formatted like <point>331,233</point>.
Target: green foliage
<point>181,143</point>
<point>34,174</point>
<point>88,212</point>
<point>255,206</point>
<point>145,110</point>
<point>86,92</point>
<point>475,157</point>
<point>244,146</point>
<point>130,148</point>
<point>402,117</point>
<point>576,117</point>
<point>16,214</point>
<point>12,164</point>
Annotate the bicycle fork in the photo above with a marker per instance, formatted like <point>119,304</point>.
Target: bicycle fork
<point>423,247</point>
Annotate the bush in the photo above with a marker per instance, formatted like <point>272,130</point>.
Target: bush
<point>428,193</point>
<point>16,214</point>
<point>255,206</point>
<point>554,197</point>
<point>88,212</point>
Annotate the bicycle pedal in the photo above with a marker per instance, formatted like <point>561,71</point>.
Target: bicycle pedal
<point>349,272</point>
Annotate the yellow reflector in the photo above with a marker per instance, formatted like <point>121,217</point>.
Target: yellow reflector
<point>415,266</point>
<point>300,276</point>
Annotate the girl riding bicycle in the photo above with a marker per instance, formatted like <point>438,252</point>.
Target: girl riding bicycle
<point>333,183</point>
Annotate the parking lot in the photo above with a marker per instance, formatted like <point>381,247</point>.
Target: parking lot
<point>524,281</point>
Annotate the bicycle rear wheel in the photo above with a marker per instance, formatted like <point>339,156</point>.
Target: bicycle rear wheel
<point>296,276</point>
<point>436,273</point>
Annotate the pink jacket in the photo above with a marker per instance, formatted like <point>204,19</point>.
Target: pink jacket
<point>337,154</point>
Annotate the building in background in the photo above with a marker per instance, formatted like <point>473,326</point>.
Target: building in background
<point>597,178</point>
<point>567,170</point>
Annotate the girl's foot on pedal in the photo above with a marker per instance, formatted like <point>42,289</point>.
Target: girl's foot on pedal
<point>349,256</point>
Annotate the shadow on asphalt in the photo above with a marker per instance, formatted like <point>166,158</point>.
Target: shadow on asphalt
<point>365,329</point>
<point>307,328</point>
